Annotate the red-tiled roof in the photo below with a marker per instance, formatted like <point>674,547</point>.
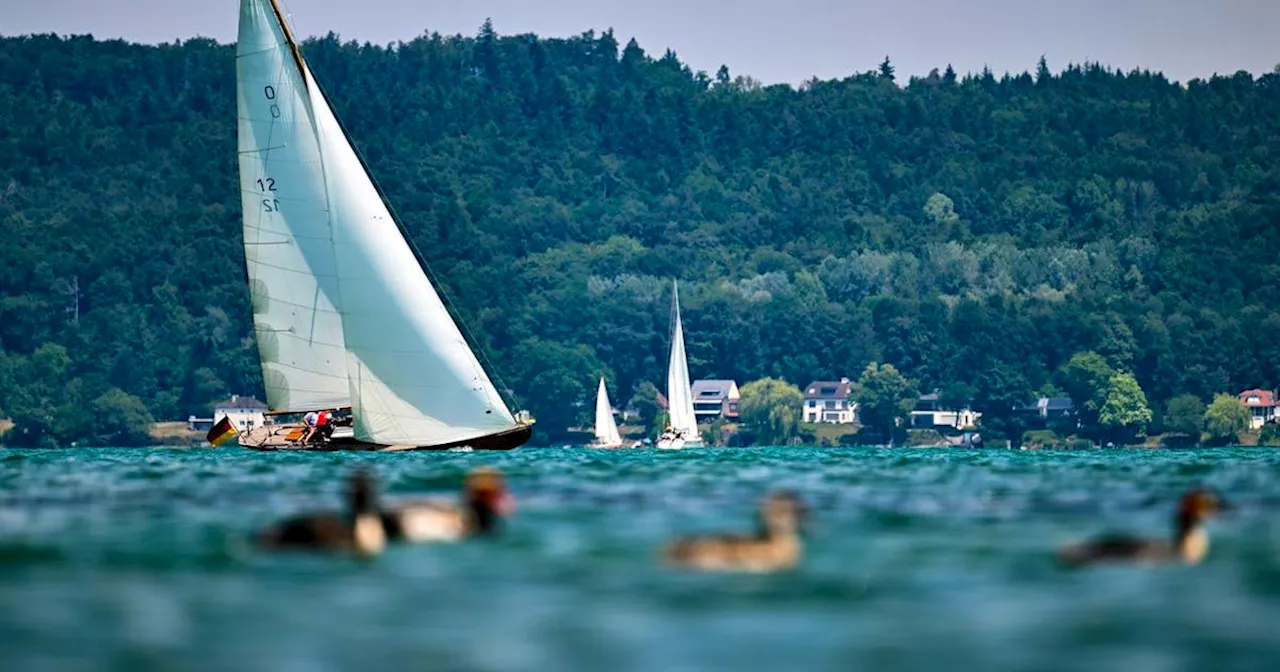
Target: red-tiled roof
<point>1258,398</point>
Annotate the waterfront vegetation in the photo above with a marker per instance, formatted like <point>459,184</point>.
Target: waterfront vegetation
<point>1110,236</point>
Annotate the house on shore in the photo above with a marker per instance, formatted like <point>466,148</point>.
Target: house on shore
<point>930,413</point>
<point>828,401</point>
<point>1051,413</point>
<point>245,412</point>
<point>715,399</point>
<point>1262,407</point>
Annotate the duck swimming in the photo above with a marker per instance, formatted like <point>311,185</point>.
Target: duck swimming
<point>774,547</point>
<point>484,503</point>
<point>359,530</point>
<point>1189,543</point>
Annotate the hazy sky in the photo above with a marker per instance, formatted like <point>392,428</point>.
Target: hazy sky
<point>779,41</point>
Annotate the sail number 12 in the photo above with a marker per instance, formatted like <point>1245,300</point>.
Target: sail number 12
<point>265,185</point>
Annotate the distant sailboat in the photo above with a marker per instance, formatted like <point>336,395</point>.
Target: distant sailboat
<point>607,435</point>
<point>344,314</point>
<point>682,425</point>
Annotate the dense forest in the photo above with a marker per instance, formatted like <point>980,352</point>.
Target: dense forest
<point>973,231</point>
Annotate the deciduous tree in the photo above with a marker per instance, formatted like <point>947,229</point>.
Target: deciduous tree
<point>885,397</point>
<point>771,409</point>
<point>1225,418</point>
<point>1125,413</point>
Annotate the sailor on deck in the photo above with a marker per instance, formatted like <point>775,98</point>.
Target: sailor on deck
<point>324,424</point>
<point>310,421</point>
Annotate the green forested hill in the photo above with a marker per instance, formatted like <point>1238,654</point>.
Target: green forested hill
<point>975,232</point>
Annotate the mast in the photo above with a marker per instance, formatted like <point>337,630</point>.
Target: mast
<point>288,37</point>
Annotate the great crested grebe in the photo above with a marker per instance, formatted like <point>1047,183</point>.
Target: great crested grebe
<point>774,547</point>
<point>358,530</point>
<point>1189,543</point>
<point>484,502</point>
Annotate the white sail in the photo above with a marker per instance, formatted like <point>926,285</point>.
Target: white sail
<point>606,429</point>
<point>288,249</point>
<point>414,379</point>
<point>410,376</point>
<point>679,394</point>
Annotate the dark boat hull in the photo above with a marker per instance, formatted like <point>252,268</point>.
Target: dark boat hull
<point>273,439</point>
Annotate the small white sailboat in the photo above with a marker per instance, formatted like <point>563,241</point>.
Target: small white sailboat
<point>345,316</point>
<point>607,435</point>
<point>682,424</point>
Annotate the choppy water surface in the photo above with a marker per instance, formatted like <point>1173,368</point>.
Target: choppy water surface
<point>928,559</point>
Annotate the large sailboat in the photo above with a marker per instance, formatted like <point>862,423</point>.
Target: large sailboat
<point>682,424</point>
<point>345,316</point>
<point>607,435</point>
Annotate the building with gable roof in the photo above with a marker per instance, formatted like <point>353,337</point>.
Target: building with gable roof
<point>713,399</point>
<point>828,401</point>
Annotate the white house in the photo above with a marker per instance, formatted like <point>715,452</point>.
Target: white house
<point>245,412</point>
<point>828,401</point>
<point>929,412</point>
<point>1262,407</point>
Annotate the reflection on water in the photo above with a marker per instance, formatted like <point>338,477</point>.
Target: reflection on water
<point>930,559</point>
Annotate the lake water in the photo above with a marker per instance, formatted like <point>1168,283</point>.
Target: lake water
<point>917,560</point>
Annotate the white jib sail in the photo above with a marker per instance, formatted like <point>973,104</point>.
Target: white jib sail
<point>414,379</point>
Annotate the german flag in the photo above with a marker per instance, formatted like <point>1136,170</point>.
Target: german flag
<point>222,432</point>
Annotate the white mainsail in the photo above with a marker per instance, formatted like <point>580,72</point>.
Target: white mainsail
<point>606,429</point>
<point>288,250</point>
<point>679,394</point>
<point>322,230</point>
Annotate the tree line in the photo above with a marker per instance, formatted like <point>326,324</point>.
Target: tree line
<point>973,231</point>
